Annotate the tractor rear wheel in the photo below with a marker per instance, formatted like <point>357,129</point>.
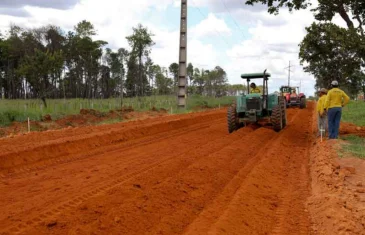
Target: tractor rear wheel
<point>282,103</point>
<point>277,118</point>
<point>303,103</point>
<point>232,119</point>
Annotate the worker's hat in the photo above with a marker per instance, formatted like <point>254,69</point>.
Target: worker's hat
<point>334,83</point>
<point>323,90</point>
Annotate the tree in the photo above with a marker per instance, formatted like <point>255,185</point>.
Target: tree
<point>324,12</point>
<point>83,54</point>
<point>234,89</point>
<point>190,73</point>
<point>141,43</point>
<point>330,51</point>
<point>46,62</point>
<point>85,29</point>
<point>219,78</point>
<point>174,71</point>
<point>115,62</point>
<point>164,84</point>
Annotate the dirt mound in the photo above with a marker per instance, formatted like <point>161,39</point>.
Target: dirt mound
<point>47,118</point>
<point>85,118</point>
<point>90,112</point>
<point>161,110</point>
<point>337,204</point>
<point>126,109</point>
<point>201,107</point>
<point>352,129</point>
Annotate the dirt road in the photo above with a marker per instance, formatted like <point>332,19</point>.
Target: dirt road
<point>171,175</point>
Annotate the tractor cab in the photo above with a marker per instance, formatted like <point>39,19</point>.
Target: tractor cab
<point>292,98</point>
<point>256,106</point>
<point>285,90</point>
<point>293,92</point>
<point>256,103</point>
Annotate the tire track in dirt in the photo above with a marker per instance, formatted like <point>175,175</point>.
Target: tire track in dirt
<point>112,148</point>
<point>195,180</point>
<point>214,211</point>
<point>20,153</point>
<point>200,156</point>
<point>271,198</point>
<point>130,157</point>
<point>97,191</point>
<point>58,150</point>
<point>290,220</point>
<point>213,154</point>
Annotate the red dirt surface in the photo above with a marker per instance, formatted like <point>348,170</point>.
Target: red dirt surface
<point>180,174</point>
<point>352,129</point>
<point>337,204</point>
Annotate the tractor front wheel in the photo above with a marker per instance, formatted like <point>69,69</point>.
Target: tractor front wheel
<point>277,118</point>
<point>303,103</point>
<point>232,119</point>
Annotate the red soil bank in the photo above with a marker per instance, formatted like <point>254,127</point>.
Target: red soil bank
<point>180,174</point>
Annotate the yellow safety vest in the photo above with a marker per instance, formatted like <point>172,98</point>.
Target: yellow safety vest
<point>320,104</point>
<point>255,90</point>
<point>336,98</point>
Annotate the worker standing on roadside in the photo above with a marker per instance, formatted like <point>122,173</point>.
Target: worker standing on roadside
<point>322,115</point>
<point>335,100</point>
<point>254,88</point>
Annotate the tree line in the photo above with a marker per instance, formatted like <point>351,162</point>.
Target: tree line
<point>46,62</point>
<point>331,52</point>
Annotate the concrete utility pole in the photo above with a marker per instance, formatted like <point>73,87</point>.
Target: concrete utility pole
<point>181,95</point>
<point>289,73</point>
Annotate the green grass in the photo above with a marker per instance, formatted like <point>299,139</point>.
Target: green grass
<point>354,112</point>
<point>20,110</point>
<point>355,146</point>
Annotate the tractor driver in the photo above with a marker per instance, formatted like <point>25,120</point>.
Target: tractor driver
<point>254,88</point>
<point>294,92</point>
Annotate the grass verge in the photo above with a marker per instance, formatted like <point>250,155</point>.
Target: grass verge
<point>354,112</point>
<point>354,145</point>
<point>20,110</point>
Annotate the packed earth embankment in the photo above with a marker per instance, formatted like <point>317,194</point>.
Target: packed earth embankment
<point>180,174</point>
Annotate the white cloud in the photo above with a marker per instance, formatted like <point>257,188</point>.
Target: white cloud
<point>211,26</point>
<point>166,50</point>
<point>271,41</point>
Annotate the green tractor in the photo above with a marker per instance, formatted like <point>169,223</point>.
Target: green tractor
<point>255,107</point>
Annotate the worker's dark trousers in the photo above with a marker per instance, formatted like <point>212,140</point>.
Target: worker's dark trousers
<point>334,118</point>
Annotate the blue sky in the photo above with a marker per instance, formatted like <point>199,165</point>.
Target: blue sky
<point>262,41</point>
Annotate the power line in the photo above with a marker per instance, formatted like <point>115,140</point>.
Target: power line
<point>229,12</point>
<point>205,16</point>
<point>290,66</point>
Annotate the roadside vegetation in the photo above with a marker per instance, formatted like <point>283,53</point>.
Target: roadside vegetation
<point>354,112</point>
<point>52,71</point>
<point>355,146</point>
<point>21,110</point>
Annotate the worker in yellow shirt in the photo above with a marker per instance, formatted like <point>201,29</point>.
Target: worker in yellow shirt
<point>322,115</point>
<point>335,100</point>
<point>254,88</point>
